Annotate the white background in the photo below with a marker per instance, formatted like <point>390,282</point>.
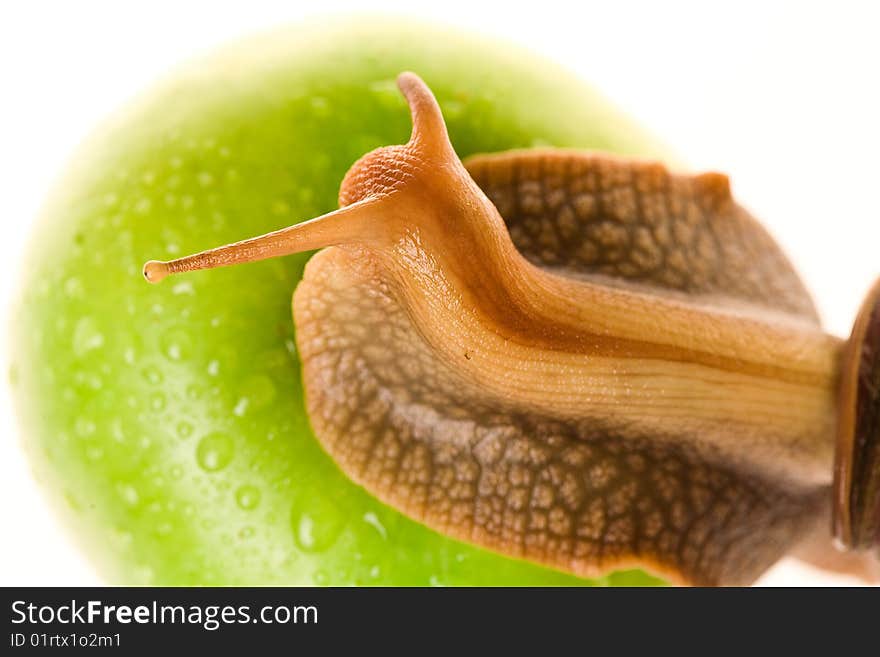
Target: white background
<point>785,97</point>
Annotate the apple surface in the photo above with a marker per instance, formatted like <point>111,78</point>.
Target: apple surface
<point>167,423</point>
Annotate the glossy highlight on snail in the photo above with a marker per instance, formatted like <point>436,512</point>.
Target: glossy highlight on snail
<point>581,360</point>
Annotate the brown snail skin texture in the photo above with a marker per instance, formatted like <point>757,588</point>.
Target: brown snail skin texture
<point>581,360</point>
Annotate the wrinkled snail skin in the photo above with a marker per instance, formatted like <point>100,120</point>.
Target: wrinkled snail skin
<point>576,359</point>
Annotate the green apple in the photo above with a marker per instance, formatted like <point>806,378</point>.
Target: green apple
<point>167,422</point>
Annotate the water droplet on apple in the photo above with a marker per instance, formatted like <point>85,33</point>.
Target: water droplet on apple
<point>320,578</point>
<point>241,407</point>
<point>129,494</point>
<point>157,401</point>
<point>73,288</point>
<point>247,497</point>
<point>372,519</point>
<point>205,179</point>
<point>184,429</point>
<point>117,432</point>
<point>303,532</point>
<point>143,205</point>
<point>246,533</point>
<point>317,528</point>
<point>315,533</point>
<point>152,375</point>
<point>88,380</point>
<point>84,427</point>
<point>183,287</point>
<point>176,344</point>
<point>86,336</point>
<point>214,451</point>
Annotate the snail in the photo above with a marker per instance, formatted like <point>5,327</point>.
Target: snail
<point>581,360</point>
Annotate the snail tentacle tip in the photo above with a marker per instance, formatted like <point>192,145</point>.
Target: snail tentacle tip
<point>405,77</point>
<point>155,271</point>
<point>409,80</point>
<point>429,127</point>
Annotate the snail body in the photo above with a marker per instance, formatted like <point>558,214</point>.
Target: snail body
<point>575,359</point>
